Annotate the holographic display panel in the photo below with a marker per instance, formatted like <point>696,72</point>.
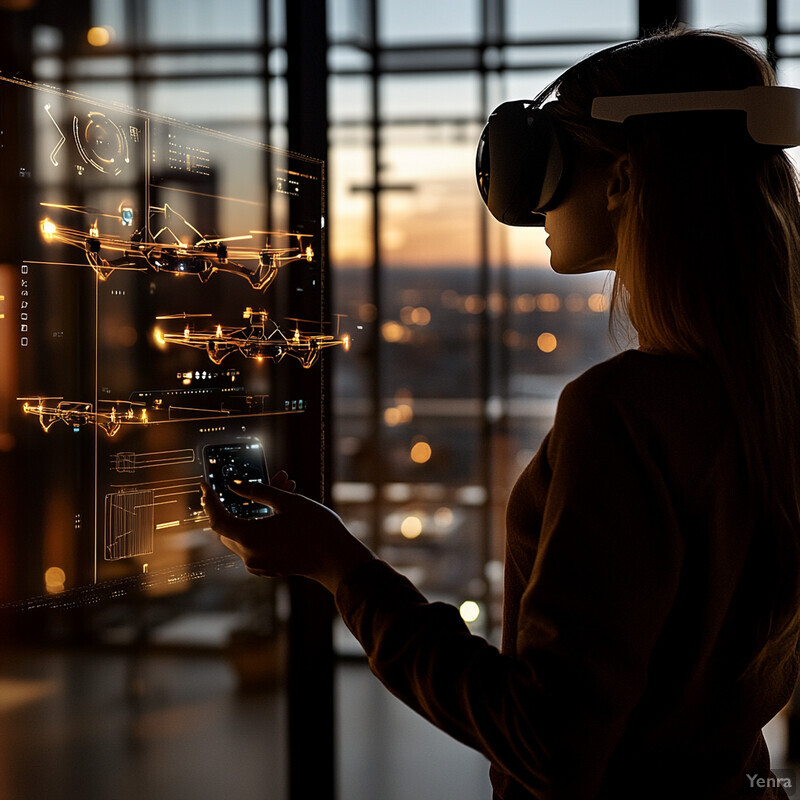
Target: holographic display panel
<point>162,293</point>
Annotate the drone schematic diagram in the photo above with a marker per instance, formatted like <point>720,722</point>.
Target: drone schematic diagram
<point>259,338</point>
<point>168,242</point>
<point>113,415</point>
<point>131,515</point>
<point>116,205</point>
<point>76,414</point>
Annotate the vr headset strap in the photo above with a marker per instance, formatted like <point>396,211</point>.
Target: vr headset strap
<point>773,112</point>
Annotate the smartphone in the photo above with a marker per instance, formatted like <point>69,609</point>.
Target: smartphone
<point>242,462</point>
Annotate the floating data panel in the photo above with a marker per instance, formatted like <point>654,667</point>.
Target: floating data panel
<point>161,292</point>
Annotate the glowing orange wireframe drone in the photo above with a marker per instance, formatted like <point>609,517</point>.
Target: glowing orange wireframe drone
<point>76,414</point>
<point>169,243</point>
<point>258,339</point>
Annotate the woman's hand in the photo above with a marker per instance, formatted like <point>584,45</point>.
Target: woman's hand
<point>302,537</point>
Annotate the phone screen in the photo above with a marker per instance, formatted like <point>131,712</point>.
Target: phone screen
<point>241,462</point>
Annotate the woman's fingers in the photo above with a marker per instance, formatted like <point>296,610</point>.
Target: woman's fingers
<point>269,495</point>
<point>303,538</point>
<point>281,480</point>
<point>247,532</point>
<point>218,516</point>
<point>212,505</point>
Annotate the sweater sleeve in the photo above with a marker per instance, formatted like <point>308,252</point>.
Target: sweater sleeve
<point>604,578</point>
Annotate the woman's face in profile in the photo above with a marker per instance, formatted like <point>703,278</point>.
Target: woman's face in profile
<point>581,237</point>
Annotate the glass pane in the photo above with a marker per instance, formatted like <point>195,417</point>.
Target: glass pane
<point>350,202</point>
<point>429,96</point>
<point>734,15</point>
<point>113,14</point>
<point>433,513</point>
<point>787,47</point>
<point>350,243</point>
<point>220,104</point>
<point>48,69</point>
<point>612,19</point>
<point>350,205</point>
<point>349,98</point>
<point>431,212</point>
<point>348,20</point>
<point>352,384</point>
<point>789,14</point>
<point>420,21</point>
<point>277,23</point>
<point>205,21</point>
<point>111,91</point>
<point>47,39</point>
<point>789,71</point>
<point>278,103</point>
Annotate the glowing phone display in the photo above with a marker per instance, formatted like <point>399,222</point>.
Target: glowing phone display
<point>241,462</point>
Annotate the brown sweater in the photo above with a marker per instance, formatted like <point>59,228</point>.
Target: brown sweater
<point>633,598</point>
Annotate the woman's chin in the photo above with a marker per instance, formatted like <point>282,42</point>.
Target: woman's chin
<point>583,267</point>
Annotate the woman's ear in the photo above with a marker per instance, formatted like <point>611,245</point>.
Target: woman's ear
<point>619,183</point>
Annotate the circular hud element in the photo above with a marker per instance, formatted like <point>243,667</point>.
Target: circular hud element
<point>101,142</point>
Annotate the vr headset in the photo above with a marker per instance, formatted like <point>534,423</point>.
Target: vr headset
<point>523,160</point>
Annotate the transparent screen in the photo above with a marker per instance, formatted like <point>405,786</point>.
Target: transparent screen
<point>161,295</point>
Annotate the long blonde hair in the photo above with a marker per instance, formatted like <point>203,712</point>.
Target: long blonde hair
<point>708,264</point>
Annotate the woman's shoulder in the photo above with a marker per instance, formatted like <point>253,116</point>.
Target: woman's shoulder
<point>671,411</point>
<point>635,371</point>
<point>642,383</point>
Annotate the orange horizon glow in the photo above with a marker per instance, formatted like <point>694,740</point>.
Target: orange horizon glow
<point>436,221</point>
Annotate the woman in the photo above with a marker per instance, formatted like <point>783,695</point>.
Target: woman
<point>651,611</point>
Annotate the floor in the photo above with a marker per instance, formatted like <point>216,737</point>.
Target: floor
<point>103,726</point>
<point>387,752</point>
